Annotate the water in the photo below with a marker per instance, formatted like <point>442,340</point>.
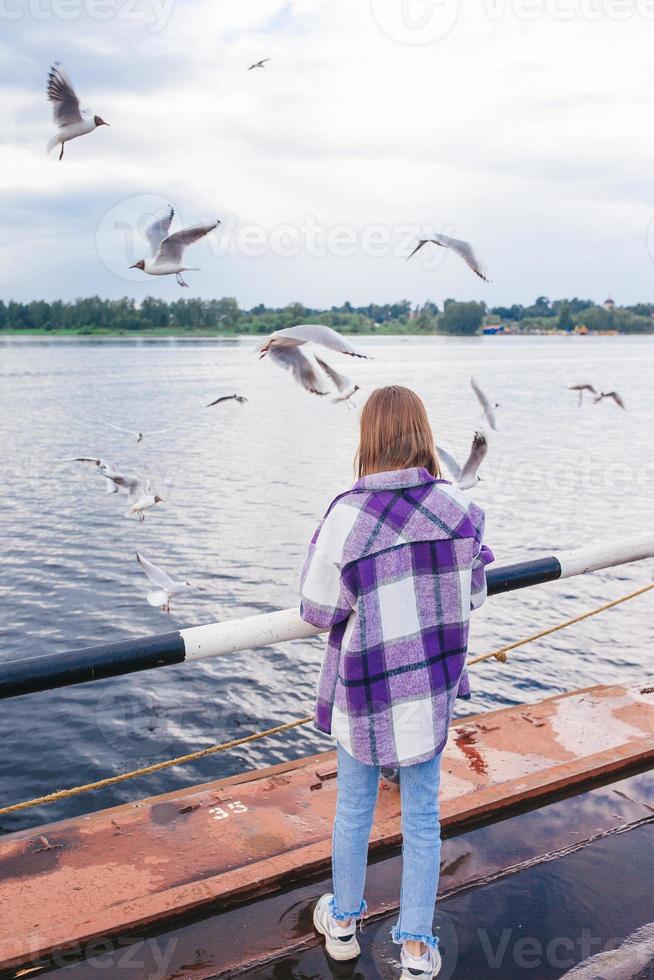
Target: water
<point>537,923</point>
<point>244,487</point>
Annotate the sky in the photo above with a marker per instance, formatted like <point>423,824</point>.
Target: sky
<point>522,126</point>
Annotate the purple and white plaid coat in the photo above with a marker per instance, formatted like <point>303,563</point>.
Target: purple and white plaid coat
<point>393,571</point>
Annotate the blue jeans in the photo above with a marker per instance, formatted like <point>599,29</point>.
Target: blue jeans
<point>358,784</point>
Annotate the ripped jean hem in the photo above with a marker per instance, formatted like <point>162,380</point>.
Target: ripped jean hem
<point>336,913</point>
<point>401,937</point>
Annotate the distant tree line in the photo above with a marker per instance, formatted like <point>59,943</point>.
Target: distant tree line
<point>565,314</point>
<point>93,315</point>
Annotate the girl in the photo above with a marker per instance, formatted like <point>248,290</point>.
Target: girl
<point>393,571</point>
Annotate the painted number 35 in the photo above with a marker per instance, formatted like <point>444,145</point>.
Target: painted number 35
<point>221,813</point>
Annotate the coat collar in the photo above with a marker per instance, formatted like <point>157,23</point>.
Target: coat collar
<point>395,479</point>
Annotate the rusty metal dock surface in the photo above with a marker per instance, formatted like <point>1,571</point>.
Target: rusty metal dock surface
<point>146,862</point>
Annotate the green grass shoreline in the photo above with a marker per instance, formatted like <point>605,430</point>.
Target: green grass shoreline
<point>204,334</point>
<point>133,334</point>
<point>385,330</point>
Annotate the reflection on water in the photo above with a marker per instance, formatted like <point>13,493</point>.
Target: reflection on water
<point>244,488</point>
<point>538,921</point>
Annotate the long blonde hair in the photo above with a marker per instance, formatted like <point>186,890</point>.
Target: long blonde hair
<point>395,433</point>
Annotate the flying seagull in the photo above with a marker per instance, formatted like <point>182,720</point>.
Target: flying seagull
<point>241,399</point>
<point>166,588</point>
<point>462,249</point>
<point>466,478</point>
<point>581,389</point>
<point>139,436</point>
<point>488,409</point>
<point>610,394</point>
<point>344,386</point>
<point>68,118</point>
<point>104,467</point>
<point>283,346</point>
<point>168,250</point>
<point>259,64</point>
<point>139,497</point>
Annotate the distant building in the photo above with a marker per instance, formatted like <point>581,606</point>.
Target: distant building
<point>609,304</point>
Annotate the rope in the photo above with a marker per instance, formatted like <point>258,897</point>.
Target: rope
<point>500,655</point>
<point>62,794</point>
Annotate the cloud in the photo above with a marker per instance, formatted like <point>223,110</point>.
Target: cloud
<point>527,136</point>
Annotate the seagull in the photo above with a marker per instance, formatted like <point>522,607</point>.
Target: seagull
<point>259,64</point>
<point>68,118</point>
<point>488,409</point>
<point>610,394</point>
<point>467,478</point>
<point>581,389</point>
<point>345,386</point>
<point>104,467</point>
<point>168,250</point>
<point>138,493</point>
<point>283,346</point>
<point>139,497</point>
<point>135,432</point>
<point>462,249</point>
<point>241,399</point>
<point>166,587</point>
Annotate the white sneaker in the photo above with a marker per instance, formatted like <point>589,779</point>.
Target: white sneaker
<point>340,941</point>
<point>420,967</point>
